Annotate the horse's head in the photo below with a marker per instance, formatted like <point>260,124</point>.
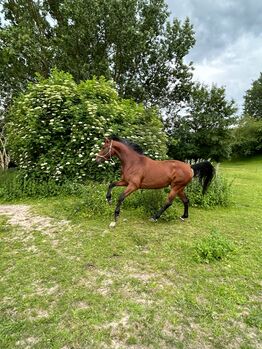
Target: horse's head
<point>106,152</point>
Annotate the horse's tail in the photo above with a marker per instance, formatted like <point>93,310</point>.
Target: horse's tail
<point>205,172</point>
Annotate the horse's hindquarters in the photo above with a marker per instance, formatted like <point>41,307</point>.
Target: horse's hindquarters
<point>161,174</point>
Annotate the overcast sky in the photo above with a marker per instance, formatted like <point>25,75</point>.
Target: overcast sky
<point>228,49</point>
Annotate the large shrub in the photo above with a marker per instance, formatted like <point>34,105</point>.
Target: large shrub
<point>57,126</point>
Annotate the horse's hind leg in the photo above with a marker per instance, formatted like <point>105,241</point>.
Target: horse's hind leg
<point>168,203</point>
<point>185,201</point>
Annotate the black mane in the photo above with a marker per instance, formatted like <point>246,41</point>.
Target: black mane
<point>129,143</point>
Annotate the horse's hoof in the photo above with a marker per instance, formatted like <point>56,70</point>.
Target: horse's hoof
<point>109,201</point>
<point>152,220</point>
<point>112,225</point>
<point>182,219</point>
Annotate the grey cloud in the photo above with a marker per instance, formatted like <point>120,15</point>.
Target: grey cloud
<point>218,23</point>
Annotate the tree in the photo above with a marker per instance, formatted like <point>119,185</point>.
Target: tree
<point>247,137</point>
<point>24,46</point>
<point>129,41</point>
<point>203,130</point>
<point>253,99</point>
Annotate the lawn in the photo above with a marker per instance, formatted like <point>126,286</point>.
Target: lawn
<point>141,285</point>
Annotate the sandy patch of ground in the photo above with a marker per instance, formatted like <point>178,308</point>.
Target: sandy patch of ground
<point>22,216</point>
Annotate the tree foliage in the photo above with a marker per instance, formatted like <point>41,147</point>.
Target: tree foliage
<point>247,137</point>
<point>253,99</point>
<point>131,42</point>
<point>203,131</point>
<point>56,127</point>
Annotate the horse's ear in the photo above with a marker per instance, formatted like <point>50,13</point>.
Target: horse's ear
<point>107,140</point>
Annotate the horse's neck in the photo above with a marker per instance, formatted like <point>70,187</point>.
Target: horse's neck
<point>125,154</point>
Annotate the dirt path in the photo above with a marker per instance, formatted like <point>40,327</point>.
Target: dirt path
<point>22,216</point>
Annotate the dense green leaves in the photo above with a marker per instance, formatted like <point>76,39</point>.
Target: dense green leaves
<point>25,47</point>
<point>247,137</point>
<point>203,130</point>
<point>129,41</point>
<point>56,128</point>
<point>253,99</point>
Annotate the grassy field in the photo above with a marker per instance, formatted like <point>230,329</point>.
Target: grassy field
<point>142,285</point>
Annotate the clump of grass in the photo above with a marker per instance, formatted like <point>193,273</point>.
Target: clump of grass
<point>92,200</point>
<point>148,201</point>
<point>213,247</point>
<point>14,186</point>
<point>254,318</point>
<point>219,193</point>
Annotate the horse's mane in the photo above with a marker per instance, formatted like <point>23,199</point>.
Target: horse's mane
<point>127,142</point>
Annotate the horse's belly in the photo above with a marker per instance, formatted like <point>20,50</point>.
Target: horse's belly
<point>154,186</point>
<point>155,182</point>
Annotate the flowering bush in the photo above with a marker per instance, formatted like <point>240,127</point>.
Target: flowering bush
<point>57,126</point>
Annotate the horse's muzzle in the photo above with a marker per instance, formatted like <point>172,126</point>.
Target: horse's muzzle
<point>99,159</point>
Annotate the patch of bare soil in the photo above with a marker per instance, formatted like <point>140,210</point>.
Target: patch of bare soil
<point>21,215</point>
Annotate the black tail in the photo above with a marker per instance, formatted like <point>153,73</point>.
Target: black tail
<point>205,171</point>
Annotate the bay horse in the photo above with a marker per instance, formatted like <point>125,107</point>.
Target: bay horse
<point>141,172</point>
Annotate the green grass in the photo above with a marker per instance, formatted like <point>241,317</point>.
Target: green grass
<point>139,285</point>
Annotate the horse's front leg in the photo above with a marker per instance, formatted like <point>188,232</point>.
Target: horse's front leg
<point>130,189</point>
<point>110,188</point>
